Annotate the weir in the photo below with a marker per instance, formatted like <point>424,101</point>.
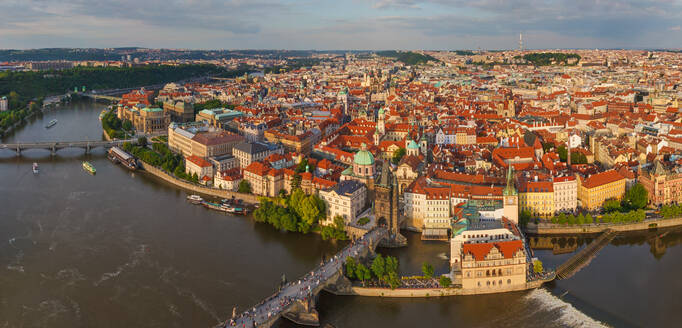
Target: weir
<point>295,301</point>
<point>584,256</point>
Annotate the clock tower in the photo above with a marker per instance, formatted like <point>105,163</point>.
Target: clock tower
<point>511,198</point>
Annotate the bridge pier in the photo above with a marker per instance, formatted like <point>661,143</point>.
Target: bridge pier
<point>304,313</point>
<point>53,151</point>
<point>87,148</point>
<point>18,151</point>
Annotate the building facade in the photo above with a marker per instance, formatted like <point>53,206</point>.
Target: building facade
<point>493,265</point>
<point>347,199</point>
<point>663,185</point>
<point>249,152</point>
<point>595,189</point>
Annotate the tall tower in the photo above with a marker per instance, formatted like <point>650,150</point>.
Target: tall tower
<point>568,152</point>
<point>520,41</point>
<point>386,206</point>
<point>511,198</point>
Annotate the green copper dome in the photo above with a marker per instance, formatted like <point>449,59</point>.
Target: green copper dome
<point>363,157</point>
<point>381,111</point>
<point>412,145</point>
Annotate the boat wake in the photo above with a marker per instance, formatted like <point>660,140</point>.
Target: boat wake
<point>566,314</point>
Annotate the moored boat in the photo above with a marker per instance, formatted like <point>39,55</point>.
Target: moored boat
<point>88,167</point>
<point>51,124</point>
<point>195,199</point>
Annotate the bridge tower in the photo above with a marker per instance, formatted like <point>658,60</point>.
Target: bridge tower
<point>386,206</point>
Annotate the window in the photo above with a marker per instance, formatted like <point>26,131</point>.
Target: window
<point>508,281</point>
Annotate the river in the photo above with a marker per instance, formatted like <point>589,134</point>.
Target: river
<point>122,249</point>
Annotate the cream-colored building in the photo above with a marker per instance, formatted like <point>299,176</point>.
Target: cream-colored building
<point>347,199</point>
<point>263,179</point>
<point>201,167</point>
<point>493,265</point>
<point>249,152</point>
<point>565,193</point>
<point>201,140</point>
<point>430,205</point>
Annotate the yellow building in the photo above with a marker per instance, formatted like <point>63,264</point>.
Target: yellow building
<point>537,197</point>
<point>595,189</point>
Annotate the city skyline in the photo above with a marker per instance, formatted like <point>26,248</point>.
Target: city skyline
<point>362,25</point>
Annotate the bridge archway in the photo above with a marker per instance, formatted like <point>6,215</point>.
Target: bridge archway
<point>382,222</point>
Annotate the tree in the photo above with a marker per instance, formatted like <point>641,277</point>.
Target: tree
<point>445,281</point>
<point>296,181</point>
<point>588,219</point>
<point>537,266</point>
<point>393,280</point>
<point>427,270</point>
<point>636,197</point>
<point>398,155</point>
<point>378,267</point>
<point>524,218</point>
<point>611,205</point>
<point>127,125</point>
<point>244,187</point>
<point>141,141</point>
<point>350,268</point>
<point>362,273</point>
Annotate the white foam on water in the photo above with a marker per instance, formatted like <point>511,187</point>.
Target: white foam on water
<point>569,315</point>
<point>443,256</point>
<point>135,259</point>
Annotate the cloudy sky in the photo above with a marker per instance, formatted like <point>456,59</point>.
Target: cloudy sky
<point>341,24</point>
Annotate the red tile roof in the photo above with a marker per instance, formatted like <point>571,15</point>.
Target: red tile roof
<point>602,178</point>
<point>480,250</point>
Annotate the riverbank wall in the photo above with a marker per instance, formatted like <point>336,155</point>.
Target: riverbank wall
<point>196,188</point>
<point>558,229</point>
<point>436,292</point>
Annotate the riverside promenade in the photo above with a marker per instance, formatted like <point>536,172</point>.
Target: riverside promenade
<point>295,300</point>
<point>559,229</point>
<point>197,188</point>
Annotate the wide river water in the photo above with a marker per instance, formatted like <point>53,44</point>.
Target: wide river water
<point>122,249</point>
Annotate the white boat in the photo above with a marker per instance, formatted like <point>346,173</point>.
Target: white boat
<point>51,124</point>
<point>35,168</point>
<point>195,199</point>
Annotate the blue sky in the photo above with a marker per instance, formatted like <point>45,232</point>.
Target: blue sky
<point>341,24</point>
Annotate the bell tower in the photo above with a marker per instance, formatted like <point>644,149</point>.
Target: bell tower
<point>511,198</point>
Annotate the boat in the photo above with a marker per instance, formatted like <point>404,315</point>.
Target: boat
<point>51,124</point>
<point>88,167</point>
<point>195,199</point>
<point>237,210</point>
<point>35,168</point>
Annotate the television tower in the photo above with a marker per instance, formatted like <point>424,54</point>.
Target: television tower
<point>520,41</point>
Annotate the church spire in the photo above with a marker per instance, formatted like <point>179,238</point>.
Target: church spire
<point>510,189</point>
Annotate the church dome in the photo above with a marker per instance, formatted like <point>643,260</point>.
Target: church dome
<point>412,145</point>
<point>363,157</point>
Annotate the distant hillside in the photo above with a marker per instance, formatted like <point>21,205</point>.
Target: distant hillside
<point>78,54</point>
<point>407,57</point>
<point>551,58</point>
<point>30,85</point>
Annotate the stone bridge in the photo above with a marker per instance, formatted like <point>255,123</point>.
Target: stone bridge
<point>53,147</point>
<point>295,301</point>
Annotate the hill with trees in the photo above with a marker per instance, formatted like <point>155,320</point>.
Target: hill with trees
<point>34,85</point>
<point>551,58</point>
<point>407,57</point>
